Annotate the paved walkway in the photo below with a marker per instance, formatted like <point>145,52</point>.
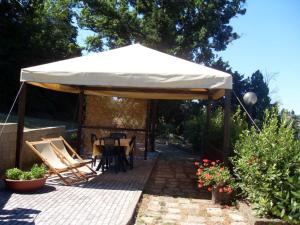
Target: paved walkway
<point>171,196</point>
<point>109,199</point>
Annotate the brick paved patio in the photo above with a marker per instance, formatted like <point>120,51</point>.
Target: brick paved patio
<point>108,199</point>
<point>171,196</point>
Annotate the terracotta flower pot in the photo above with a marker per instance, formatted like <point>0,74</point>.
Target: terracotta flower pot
<point>25,185</point>
<point>223,198</point>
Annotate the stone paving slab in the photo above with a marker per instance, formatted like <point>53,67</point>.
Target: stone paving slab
<point>108,199</point>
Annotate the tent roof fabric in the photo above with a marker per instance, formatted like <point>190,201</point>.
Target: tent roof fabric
<point>128,68</point>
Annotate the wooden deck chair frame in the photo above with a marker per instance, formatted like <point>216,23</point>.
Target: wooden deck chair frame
<point>74,153</point>
<point>81,177</point>
<point>132,145</point>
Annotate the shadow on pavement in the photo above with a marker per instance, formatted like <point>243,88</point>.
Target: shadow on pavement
<point>15,215</point>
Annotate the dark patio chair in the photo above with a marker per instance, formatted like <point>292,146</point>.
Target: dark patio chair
<point>93,139</point>
<point>117,135</point>
<point>132,143</point>
<point>111,152</point>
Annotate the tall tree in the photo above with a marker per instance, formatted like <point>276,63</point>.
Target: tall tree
<point>255,83</point>
<point>193,29</point>
<point>240,83</point>
<point>259,86</point>
<point>34,32</point>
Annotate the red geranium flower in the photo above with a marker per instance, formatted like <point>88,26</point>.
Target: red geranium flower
<point>207,176</point>
<point>213,163</point>
<point>221,190</point>
<point>197,163</point>
<point>200,185</point>
<point>209,188</point>
<point>205,160</point>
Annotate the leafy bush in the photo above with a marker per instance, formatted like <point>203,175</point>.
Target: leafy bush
<point>36,172</point>
<point>164,129</point>
<point>288,206</point>
<point>238,125</point>
<point>26,175</point>
<point>263,165</point>
<point>215,132</point>
<point>14,173</point>
<point>195,128</point>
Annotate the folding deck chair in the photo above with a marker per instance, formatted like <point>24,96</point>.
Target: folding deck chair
<point>60,146</point>
<point>55,163</point>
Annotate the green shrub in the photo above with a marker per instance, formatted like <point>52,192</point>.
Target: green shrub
<point>194,129</point>
<point>238,125</point>
<point>164,129</point>
<point>263,164</point>
<point>26,175</point>
<point>14,173</point>
<point>215,133</point>
<point>288,205</point>
<point>38,171</point>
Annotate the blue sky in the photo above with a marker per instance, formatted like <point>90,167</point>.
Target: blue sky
<point>270,42</point>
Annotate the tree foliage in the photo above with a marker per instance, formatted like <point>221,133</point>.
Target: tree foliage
<point>34,32</point>
<point>255,82</point>
<point>258,85</point>
<point>192,30</point>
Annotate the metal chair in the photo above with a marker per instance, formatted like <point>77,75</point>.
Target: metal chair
<point>132,144</point>
<point>93,139</point>
<point>111,151</point>
<point>117,135</point>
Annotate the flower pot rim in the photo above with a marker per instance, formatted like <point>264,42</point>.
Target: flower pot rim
<point>45,177</point>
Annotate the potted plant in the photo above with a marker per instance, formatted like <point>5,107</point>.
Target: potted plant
<point>216,178</point>
<point>26,181</point>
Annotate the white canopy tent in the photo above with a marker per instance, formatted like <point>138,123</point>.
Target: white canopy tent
<point>116,72</point>
<point>133,71</point>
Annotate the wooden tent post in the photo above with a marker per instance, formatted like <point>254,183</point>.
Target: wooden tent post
<point>80,119</point>
<point>20,128</point>
<point>147,129</point>
<point>208,118</point>
<point>153,123</point>
<point>226,138</point>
